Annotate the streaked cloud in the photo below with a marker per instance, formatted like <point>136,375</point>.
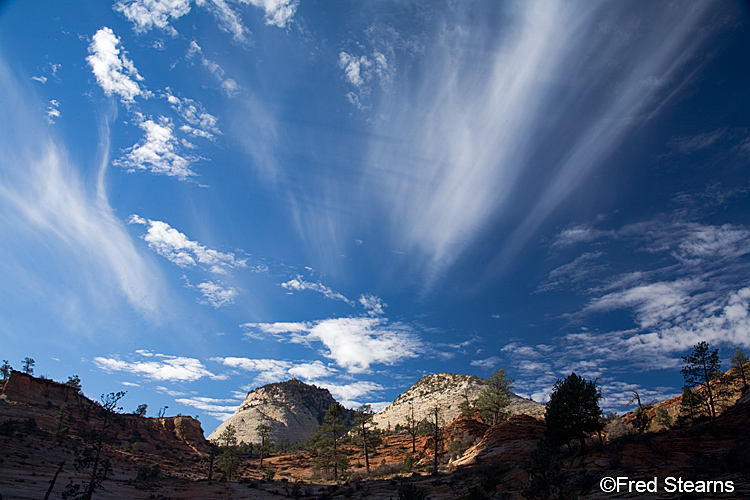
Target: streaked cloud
<point>298,285</point>
<point>228,85</point>
<point>115,73</point>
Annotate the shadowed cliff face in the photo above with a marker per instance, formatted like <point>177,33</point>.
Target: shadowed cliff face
<point>292,409</point>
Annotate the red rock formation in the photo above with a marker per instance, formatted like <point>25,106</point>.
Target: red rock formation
<point>509,441</point>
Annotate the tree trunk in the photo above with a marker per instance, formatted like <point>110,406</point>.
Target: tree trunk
<point>54,478</point>
<point>364,445</point>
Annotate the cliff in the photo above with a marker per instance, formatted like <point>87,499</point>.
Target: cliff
<point>292,409</point>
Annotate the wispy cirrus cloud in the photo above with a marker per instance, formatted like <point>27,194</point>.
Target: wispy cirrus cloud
<point>228,85</point>
<point>115,73</point>
<point>49,204</point>
<point>298,285</point>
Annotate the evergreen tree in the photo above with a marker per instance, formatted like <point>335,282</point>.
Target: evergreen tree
<point>264,431</point>
<point>28,365</point>
<point>367,432</point>
<point>74,382</point>
<point>690,404</point>
<point>327,442</point>
<point>91,457</point>
<point>701,367</point>
<point>740,367</point>
<point>494,399</point>
<point>573,411</point>
<point>228,463</point>
<point>5,369</point>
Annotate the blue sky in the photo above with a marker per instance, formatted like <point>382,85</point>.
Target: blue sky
<point>201,197</point>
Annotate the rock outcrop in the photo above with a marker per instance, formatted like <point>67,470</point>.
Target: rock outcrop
<point>292,409</point>
<point>447,391</point>
<point>512,440</point>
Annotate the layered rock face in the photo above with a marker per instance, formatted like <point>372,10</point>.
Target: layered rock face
<point>447,391</point>
<point>292,409</point>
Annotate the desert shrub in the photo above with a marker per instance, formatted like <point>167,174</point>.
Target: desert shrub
<point>495,476</point>
<point>9,427</point>
<point>146,473</point>
<point>408,463</point>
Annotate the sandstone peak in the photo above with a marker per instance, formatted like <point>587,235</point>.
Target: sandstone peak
<point>292,409</point>
<point>447,391</point>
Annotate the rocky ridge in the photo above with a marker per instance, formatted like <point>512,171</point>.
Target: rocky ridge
<point>292,409</point>
<point>447,391</point>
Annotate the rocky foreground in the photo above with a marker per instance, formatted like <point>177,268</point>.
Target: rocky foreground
<point>168,458</point>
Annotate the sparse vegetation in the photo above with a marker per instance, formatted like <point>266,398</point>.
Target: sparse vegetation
<point>366,432</point>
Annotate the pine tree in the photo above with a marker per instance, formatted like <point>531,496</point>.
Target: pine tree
<point>573,411</point>
<point>701,367</point>
<point>367,432</point>
<point>327,442</point>
<point>28,365</point>
<point>412,427</point>
<point>494,399</point>
<point>5,369</point>
<point>740,366</point>
<point>264,431</point>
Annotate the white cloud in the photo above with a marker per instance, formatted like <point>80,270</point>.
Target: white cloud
<point>53,111</point>
<point>374,305</point>
<point>278,12</point>
<point>115,73</point>
<point>216,295</point>
<point>299,285</point>
<point>158,151</point>
<point>228,85</point>
<point>215,407</point>
<point>229,20</point>
<point>353,343</point>
<point>487,363</point>
<point>275,370</point>
<point>147,14</point>
<point>311,371</point>
<point>352,391</point>
<point>48,204</point>
<point>177,248</point>
<point>200,123</point>
<point>40,79</point>
<point>171,368</point>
